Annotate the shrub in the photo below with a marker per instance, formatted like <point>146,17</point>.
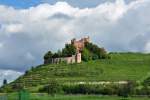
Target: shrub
<point>146,82</point>
<point>97,53</point>
<point>86,55</point>
<point>17,86</point>
<point>6,89</point>
<point>52,88</point>
<point>90,89</point>
<point>127,89</point>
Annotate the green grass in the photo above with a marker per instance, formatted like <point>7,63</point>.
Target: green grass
<point>74,97</point>
<point>121,66</point>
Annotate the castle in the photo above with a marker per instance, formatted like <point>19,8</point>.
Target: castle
<point>79,45</point>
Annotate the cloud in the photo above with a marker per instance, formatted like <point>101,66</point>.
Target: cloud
<point>10,75</point>
<point>12,28</point>
<point>26,34</point>
<point>1,45</point>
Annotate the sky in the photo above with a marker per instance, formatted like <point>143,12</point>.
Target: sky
<point>29,28</point>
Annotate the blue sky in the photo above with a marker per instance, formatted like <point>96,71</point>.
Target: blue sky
<point>20,3</point>
<point>77,3</point>
<point>29,28</point>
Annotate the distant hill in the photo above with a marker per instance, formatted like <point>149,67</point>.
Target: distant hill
<point>121,67</point>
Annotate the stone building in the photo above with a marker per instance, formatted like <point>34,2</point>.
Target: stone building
<point>79,45</point>
<point>69,60</point>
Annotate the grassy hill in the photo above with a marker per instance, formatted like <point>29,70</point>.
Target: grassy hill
<point>121,66</point>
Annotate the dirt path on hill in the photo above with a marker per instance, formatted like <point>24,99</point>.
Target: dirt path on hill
<point>100,82</point>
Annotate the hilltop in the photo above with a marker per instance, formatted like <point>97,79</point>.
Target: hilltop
<point>121,67</point>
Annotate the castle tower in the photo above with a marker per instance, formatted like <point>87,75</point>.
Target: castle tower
<point>79,44</point>
<point>87,39</point>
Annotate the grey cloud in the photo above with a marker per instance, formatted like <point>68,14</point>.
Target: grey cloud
<point>61,16</point>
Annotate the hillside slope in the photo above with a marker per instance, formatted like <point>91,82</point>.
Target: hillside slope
<point>121,66</point>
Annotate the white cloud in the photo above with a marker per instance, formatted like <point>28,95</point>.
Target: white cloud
<point>1,45</point>
<point>10,75</point>
<point>29,33</point>
<point>13,28</point>
<point>147,47</point>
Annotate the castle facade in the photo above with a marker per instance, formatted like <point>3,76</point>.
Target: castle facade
<point>79,45</point>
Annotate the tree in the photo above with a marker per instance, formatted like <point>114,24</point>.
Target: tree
<point>97,53</point>
<point>86,55</point>
<point>48,55</point>
<point>69,50</point>
<point>4,81</point>
<point>55,55</point>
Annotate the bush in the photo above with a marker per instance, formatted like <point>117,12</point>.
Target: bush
<point>86,55</point>
<point>76,89</point>
<point>143,91</point>
<point>127,89</point>
<point>90,89</point>
<point>6,89</point>
<point>97,53</point>
<point>17,86</point>
<point>146,82</point>
<point>52,88</point>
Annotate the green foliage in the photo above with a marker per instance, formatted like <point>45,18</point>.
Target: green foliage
<point>127,89</point>
<point>17,86</point>
<point>95,52</point>
<point>86,55</point>
<point>145,90</point>
<point>6,89</point>
<point>108,89</point>
<point>48,55</point>
<point>69,50</point>
<point>146,82</point>
<point>52,88</point>
<point>55,55</point>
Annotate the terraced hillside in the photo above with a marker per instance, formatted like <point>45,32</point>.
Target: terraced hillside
<point>121,66</point>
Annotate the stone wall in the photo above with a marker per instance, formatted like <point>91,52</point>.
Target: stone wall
<point>67,60</point>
